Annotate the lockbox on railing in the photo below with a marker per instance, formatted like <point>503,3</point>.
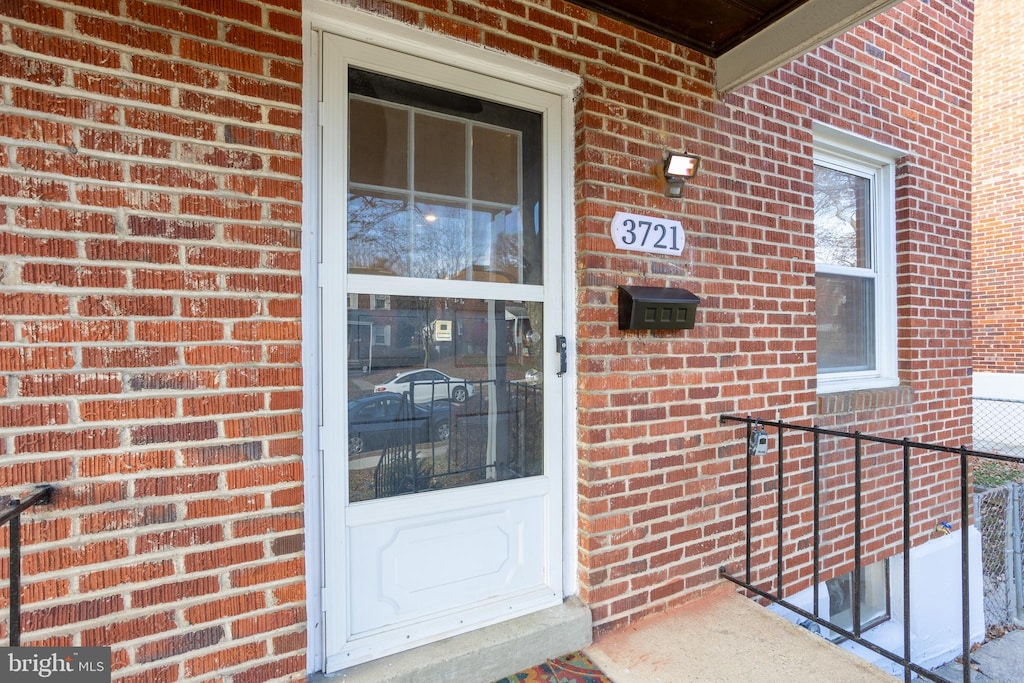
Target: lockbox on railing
<point>657,308</point>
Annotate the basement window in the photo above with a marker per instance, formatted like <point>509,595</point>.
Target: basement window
<point>874,598</point>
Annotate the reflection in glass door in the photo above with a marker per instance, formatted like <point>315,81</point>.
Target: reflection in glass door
<point>442,393</point>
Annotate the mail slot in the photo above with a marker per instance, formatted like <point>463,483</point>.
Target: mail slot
<point>657,308</point>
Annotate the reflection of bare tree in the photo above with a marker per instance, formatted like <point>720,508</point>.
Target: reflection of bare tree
<point>388,235</point>
<point>377,233</point>
<point>440,246</point>
<point>838,207</point>
<point>418,317</point>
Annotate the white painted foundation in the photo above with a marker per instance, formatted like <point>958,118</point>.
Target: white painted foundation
<point>935,605</point>
<point>999,385</point>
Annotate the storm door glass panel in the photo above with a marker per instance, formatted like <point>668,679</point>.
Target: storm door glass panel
<point>442,185</point>
<point>453,398</point>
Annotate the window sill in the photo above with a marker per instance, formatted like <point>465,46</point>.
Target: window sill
<point>839,402</point>
<point>855,384</point>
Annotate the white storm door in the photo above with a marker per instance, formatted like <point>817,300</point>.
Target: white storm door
<point>441,301</point>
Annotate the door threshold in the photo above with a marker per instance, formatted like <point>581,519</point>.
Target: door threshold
<point>483,655</point>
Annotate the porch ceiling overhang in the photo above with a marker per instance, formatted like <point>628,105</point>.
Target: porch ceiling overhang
<point>747,38</point>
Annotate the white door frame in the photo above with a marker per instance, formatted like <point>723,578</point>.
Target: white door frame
<point>318,16</point>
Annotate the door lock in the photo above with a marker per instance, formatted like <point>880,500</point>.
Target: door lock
<point>562,347</point>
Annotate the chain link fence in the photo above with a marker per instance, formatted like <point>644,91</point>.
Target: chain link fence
<point>999,426</point>
<point>999,508</point>
<point>999,516</point>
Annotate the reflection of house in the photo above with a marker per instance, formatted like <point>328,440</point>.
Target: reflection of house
<point>165,172</point>
<point>382,336</point>
<point>519,329</point>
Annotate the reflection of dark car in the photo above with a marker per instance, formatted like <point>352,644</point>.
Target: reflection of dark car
<point>372,419</point>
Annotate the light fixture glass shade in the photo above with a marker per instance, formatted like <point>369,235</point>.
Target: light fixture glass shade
<point>680,166</point>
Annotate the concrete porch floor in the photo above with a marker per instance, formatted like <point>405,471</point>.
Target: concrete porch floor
<point>725,637</point>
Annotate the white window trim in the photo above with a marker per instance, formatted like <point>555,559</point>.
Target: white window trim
<point>845,151</point>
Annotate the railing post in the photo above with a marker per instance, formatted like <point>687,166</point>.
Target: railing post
<point>750,496</point>
<point>907,545</point>
<point>12,518</point>
<point>14,572</point>
<point>816,492</point>
<point>857,491</point>
<point>782,510</point>
<point>1017,504</point>
<point>965,576</point>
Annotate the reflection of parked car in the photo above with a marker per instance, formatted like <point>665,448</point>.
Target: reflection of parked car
<point>430,385</point>
<point>371,419</point>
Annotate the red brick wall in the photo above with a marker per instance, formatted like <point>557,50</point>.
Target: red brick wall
<point>151,198</point>
<point>998,250</point>
<point>150,204</point>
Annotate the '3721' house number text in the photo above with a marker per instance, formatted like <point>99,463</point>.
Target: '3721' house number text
<point>634,232</point>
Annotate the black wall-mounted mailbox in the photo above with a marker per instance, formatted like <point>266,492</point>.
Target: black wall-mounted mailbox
<point>656,308</point>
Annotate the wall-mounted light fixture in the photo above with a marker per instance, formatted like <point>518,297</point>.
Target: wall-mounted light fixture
<point>678,168</point>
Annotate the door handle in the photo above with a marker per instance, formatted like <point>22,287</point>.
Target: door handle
<point>562,347</point>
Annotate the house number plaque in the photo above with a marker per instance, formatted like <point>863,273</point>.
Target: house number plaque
<point>633,232</point>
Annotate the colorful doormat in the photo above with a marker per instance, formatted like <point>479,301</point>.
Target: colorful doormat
<point>571,668</point>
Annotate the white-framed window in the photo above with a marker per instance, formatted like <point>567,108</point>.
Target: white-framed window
<point>855,261</point>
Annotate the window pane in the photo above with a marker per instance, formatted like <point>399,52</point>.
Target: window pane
<point>378,233</point>
<point>442,393</point>
<point>846,323</point>
<point>440,245</point>
<point>842,218</point>
<point>378,144</point>
<point>497,245</point>
<point>440,153</point>
<point>874,597</point>
<point>495,165</point>
<point>457,241</point>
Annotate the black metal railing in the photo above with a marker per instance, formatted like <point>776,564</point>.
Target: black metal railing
<point>11,516</point>
<point>494,432</point>
<point>517,433</point>
<point>789,488</point>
